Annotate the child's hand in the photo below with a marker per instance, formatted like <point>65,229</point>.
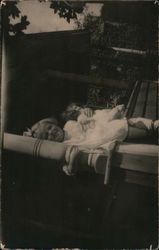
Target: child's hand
<point>86,124</point>
<point>121,110</point>
<point>121,107</point>
<point>116,113</point>
<point>88,112</point>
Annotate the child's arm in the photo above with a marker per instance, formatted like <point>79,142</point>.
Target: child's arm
<point>86,122</point>
<point>116,113</point>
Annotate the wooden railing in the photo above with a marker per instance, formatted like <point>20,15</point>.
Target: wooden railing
<point>88,79</point>
<point>136,157</point>
<point>129,157</point>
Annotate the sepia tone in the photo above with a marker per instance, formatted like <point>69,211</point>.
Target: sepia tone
<point>60,60</point>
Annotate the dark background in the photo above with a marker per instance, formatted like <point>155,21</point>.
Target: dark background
<point>33,93</point>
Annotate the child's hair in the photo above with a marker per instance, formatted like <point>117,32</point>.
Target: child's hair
<point>73,106</point>
<point>70,115</point>
<point>46,129</point>
<point>72,112</point>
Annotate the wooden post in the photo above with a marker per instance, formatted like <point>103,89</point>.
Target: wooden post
<point>34,147</point>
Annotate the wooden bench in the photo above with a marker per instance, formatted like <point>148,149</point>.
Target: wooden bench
<point>143,103</point>
<point>139,160</point>
<point>120,203</point>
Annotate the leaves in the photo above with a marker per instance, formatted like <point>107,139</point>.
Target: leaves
<point>11,10</point>
<point>105,97</point>
<point>18,27</point>
<point>66,9</point>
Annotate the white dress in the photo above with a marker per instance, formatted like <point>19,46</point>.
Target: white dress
<point>100,130</point>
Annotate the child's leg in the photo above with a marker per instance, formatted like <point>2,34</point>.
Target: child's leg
<point>141,122</point>
<point>136,133</point>
<point>156,124</point>
<point>141,127</point>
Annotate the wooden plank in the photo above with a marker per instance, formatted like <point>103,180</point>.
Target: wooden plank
<point>138,157</point>
<point>142,179</point>
<point>137,149</point>
<point>132,100</point>
<point>131,51</point>
<point>151,106</point>
<point>87,79</point>
<point>141,100</point>
<point>141,163</point>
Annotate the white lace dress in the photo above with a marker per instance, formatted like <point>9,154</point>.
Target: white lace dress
<point>100,130</point>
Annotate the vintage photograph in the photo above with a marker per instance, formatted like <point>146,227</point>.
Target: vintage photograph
<point>79,124</point>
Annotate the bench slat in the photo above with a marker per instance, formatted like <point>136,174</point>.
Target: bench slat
<point>132,101</point>
<point>151,107</point>
<point>142,179</point>
<point>141,100</point>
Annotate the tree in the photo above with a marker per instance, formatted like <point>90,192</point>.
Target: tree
<point>95,25</point>
<point>101,55</point>
<point>11,10</point>
<point>65,9</point>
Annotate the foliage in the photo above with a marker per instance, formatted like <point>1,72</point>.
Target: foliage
<point>140,13</point>
<point>106,34</point>
<point>66,9</point>
<point>128,36</point>
<point>11,10</point>
<point>19,27</point>
<point>95,25</point>
<point>108,63</point>
<point>102,97</point>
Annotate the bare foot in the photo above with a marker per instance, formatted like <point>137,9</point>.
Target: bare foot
<point>156,124</point>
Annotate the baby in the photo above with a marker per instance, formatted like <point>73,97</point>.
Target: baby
<point>94,128</point>
<point>91,129</point>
